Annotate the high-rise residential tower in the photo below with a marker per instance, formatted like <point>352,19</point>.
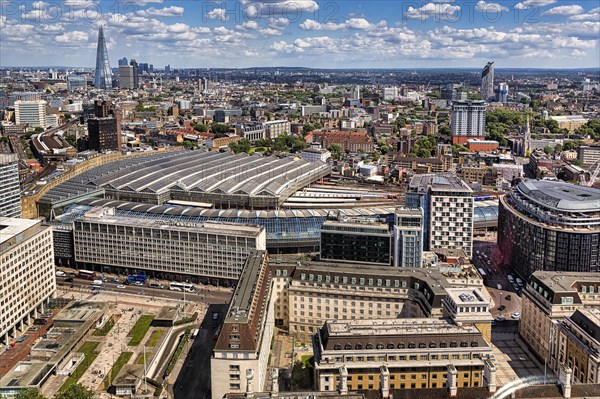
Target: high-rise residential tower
<point>487,82</point>
<point>502,93</point>
<point>468,121</point>
<point>10,194</point>
<point>103,79</point>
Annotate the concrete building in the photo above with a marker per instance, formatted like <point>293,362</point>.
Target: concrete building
<point>277,128</point>
<point>576,345</point>
<point>448,205</point>
<point>408,230</point>
<point>502,93</point>
<point>551,226</point>
<point>10,192</point>
<point>27,274</point>
<point>588,155</point>
<point>192,250</point>
<point>388,355</point>
<point>241,354</point>
<point>468,121</point>
<point>126,77</point>
<point>310,293</point>
<point>362,241</point>
<point>547,299</point>
<point>316,154</point>
<point>31,113</point>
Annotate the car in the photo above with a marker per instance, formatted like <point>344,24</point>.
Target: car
<point>116,280</point>
<point>121,286</point>
<point>69,280</point>
<point>510,279</point>
<point>516,315</point>
<point>40,322</point>
<point>126,282</point>
<point>500,318</point>
<point>60,273</point>
<point>494,322</point>
<point>33,329</point>
<point>21,338</point>
<point>215,316</point>
<point>501,308</point>
<point>508,297</point>
<point>138,283</point>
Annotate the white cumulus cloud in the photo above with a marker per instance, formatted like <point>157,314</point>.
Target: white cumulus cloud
<point>564,10</point>
<point>219,14</point>
<point>436,10</point>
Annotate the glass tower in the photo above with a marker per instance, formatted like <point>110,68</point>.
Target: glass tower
<point>487,82</point>
<point>103,80</point>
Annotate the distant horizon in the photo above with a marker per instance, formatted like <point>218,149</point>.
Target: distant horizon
<point>161,68</point>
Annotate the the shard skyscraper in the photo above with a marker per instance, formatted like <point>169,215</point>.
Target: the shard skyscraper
<point>103,80</point>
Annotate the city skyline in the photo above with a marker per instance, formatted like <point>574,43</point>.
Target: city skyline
<point>305,33</point>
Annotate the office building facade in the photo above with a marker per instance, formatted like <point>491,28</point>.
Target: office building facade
<point>576,345</point>
<point>209,250</point>
<point>548,298</point>
<point>408,237</point>
<point>10,192</point>
<point>487,82</point>
<point>468,121</point>
<point>104,129</point>
<point>31,113</point>
<point>502,93</point>
<point>27,275</point>
<point>126,77</point>
<point>552,226</point>
<point>387,355</point>
<point>363,241</point>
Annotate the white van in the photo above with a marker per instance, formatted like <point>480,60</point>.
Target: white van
<point>499,286</point>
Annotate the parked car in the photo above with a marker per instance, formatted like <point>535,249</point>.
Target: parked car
<point>33,329</point>
<point>516,315</point>
<point>500,318</point>
<point>508,297</point>
<point>40,322</point>
<point>69,280</point>
<point>120,286</point>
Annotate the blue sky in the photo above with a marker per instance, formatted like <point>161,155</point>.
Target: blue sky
<point>311,33</point>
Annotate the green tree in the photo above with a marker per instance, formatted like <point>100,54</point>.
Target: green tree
<point>376,156</point>
<point>552,125</point>
<point>279,144</point>
<point>38,130</point>
<point>219,128</point>
<point>201,128</point>
<point>444,130</point>
<point>424,153</point>
<point>456,148</point>
<point>242,145</point>
<point>548,150</point>
<point>558,148</point>
<point>30,393</point>
<point>76,391</point>
<point>336,151</point>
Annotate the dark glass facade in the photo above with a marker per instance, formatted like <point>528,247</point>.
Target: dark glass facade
<point>357,246</point>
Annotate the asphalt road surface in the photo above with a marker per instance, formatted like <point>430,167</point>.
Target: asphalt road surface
<point>193,381</point>
<point>204,295</point>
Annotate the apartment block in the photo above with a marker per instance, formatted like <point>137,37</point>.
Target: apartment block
<point>408,237</point>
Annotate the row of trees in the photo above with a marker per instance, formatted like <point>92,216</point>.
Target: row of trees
<point>285,143</point>
<point>76,391</point>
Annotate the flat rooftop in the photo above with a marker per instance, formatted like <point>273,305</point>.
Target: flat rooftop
<point>386,327</point>
<point>26,374</point>
<point>13,231</point>
<point>438,182</point>
<point>246,230</point>
<point>466,296</point>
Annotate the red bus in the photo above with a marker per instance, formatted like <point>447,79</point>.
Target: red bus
<point>87,274</point>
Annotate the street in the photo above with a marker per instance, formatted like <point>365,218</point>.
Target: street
<point>193,381</point>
